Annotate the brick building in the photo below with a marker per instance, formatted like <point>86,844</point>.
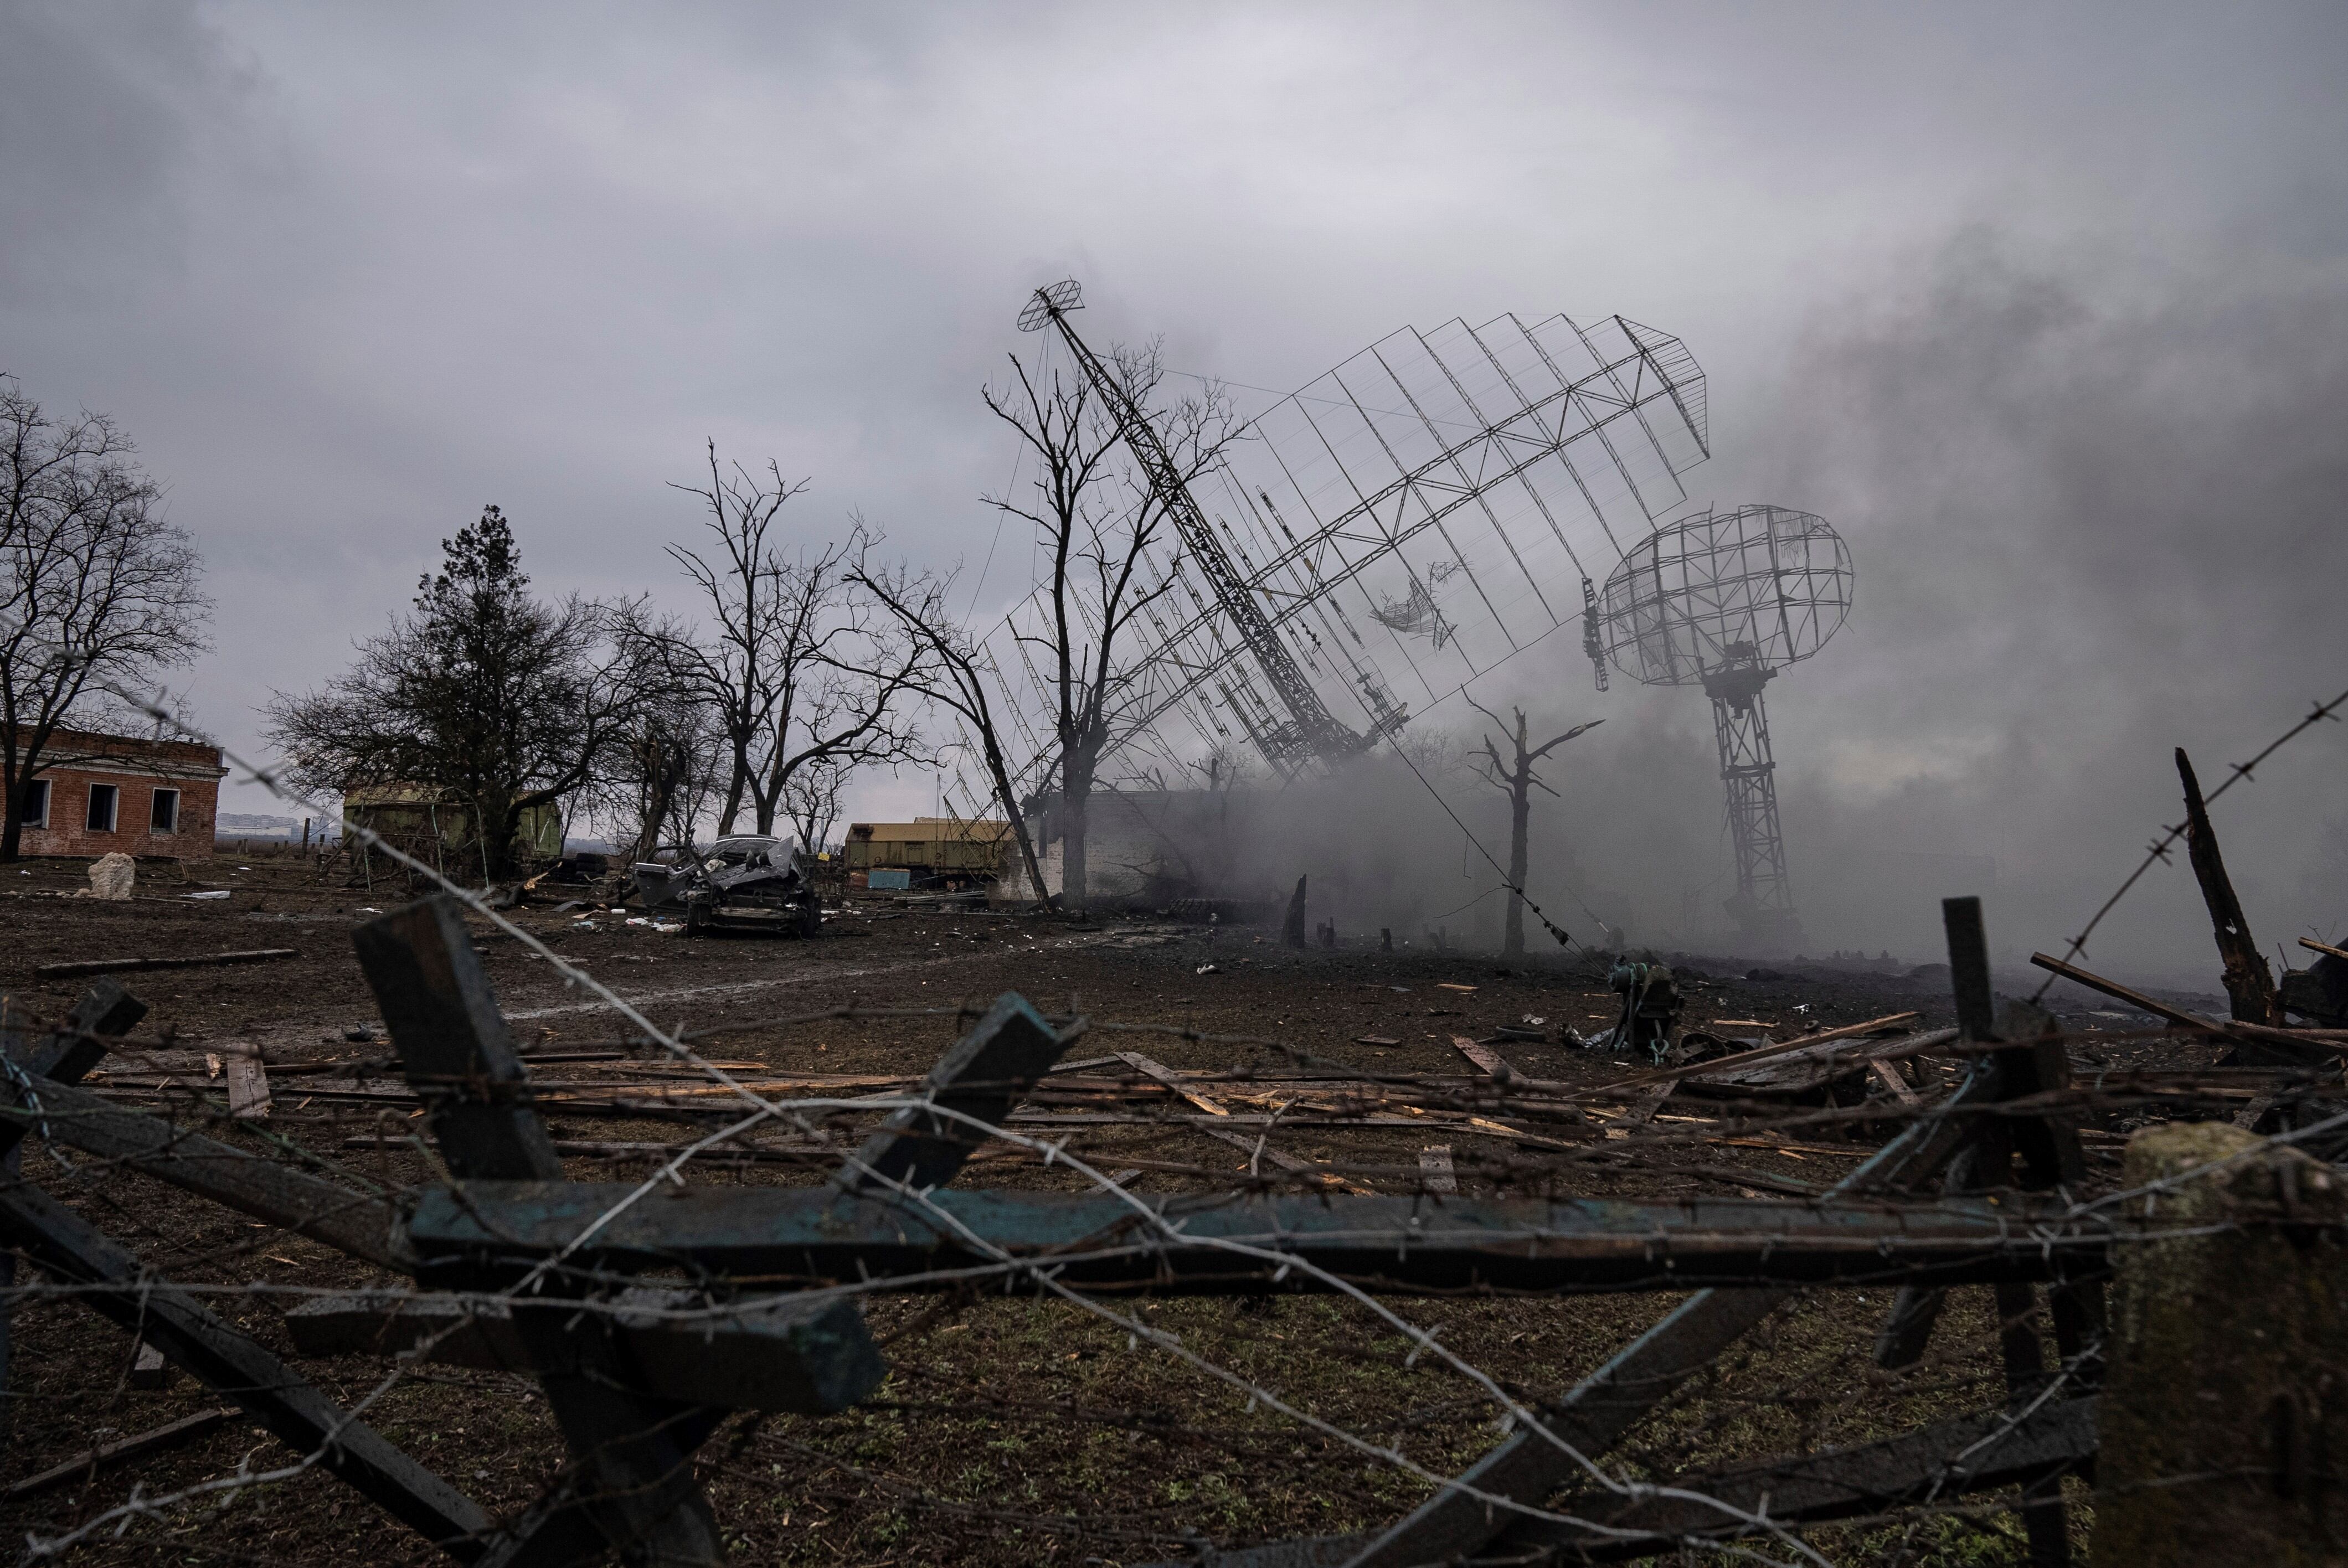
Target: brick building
<point>101,793</point>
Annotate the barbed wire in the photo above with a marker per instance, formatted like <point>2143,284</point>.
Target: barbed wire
<point>815,1118</point>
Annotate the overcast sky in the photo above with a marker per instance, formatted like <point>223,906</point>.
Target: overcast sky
<point>2045,307</point>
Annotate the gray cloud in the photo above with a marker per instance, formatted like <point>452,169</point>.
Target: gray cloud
<point>2038,305</point>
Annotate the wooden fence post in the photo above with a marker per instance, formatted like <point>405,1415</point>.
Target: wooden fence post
<point>2225,1404</point>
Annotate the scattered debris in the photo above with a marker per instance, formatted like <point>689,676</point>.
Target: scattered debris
<point>222,893</point>
<point>111,877</point>
<point>127,966</point>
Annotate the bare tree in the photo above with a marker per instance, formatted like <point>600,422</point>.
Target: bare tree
<point>509,701</point>
<point>1098,517</point>
<point>1516,777</point>
<point>811,800</point>
<point>800,669</point>
<point>957,680</point>
<point>658,785</point>
<point>97,588</point>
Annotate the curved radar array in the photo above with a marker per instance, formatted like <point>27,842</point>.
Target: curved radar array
<point>1418,515</point>
<point>1724,601</point>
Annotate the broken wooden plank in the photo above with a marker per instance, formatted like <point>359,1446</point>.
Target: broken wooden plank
<point>1642,1107</point>
<point>1171,1079</point>
<point>2049,1160</point>
<point>2320,1038</point>
<point>248,1088</point>
<point>132,966</point>
<point>1435,1169</point>
<point>2312,946</point>
<point>1763,1053</point>
<point>1888,1076</point>
<point>105,1012</point>
<point>122,1288</point>
<point>1489,1062</point>
<point>113,1451</point>
<point>1260,1148</point>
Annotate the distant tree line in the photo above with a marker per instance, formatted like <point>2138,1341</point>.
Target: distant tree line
<point>807,660</point>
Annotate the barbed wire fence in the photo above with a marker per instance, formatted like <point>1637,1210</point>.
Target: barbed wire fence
<point>1564,1138</point>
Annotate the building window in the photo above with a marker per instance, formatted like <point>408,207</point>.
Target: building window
<point>37,803</point>
<point>103,799</point>
<point>165,816</point>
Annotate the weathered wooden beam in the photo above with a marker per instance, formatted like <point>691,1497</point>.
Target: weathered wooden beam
<point>131,966</point>
<point>1396,1243</point>
<point>117,1284</point>
<point>2305,1042</point>
<point>636,1486</point>
<point>984,1075</point>
<point>2022,1068</point>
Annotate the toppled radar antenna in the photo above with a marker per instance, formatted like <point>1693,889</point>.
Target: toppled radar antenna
<point>1396,528</point>
<point>1725,601</point>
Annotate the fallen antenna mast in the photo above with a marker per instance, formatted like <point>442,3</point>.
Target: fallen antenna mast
<point>1309,731</point>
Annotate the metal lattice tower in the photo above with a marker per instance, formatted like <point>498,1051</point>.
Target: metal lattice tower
<point>1725,601</point>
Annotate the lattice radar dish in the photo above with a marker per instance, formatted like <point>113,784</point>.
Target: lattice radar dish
<point>1724,601</point>
<point>1758,587</point>
<point>1431,508</point>
<point>1064,295</point>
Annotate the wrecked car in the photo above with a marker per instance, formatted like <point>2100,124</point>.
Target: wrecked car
<point>743,883</point>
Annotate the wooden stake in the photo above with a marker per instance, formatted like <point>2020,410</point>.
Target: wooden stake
<point>2250,986</point>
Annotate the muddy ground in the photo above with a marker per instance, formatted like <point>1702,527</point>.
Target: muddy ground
<point>1010,1430</point>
